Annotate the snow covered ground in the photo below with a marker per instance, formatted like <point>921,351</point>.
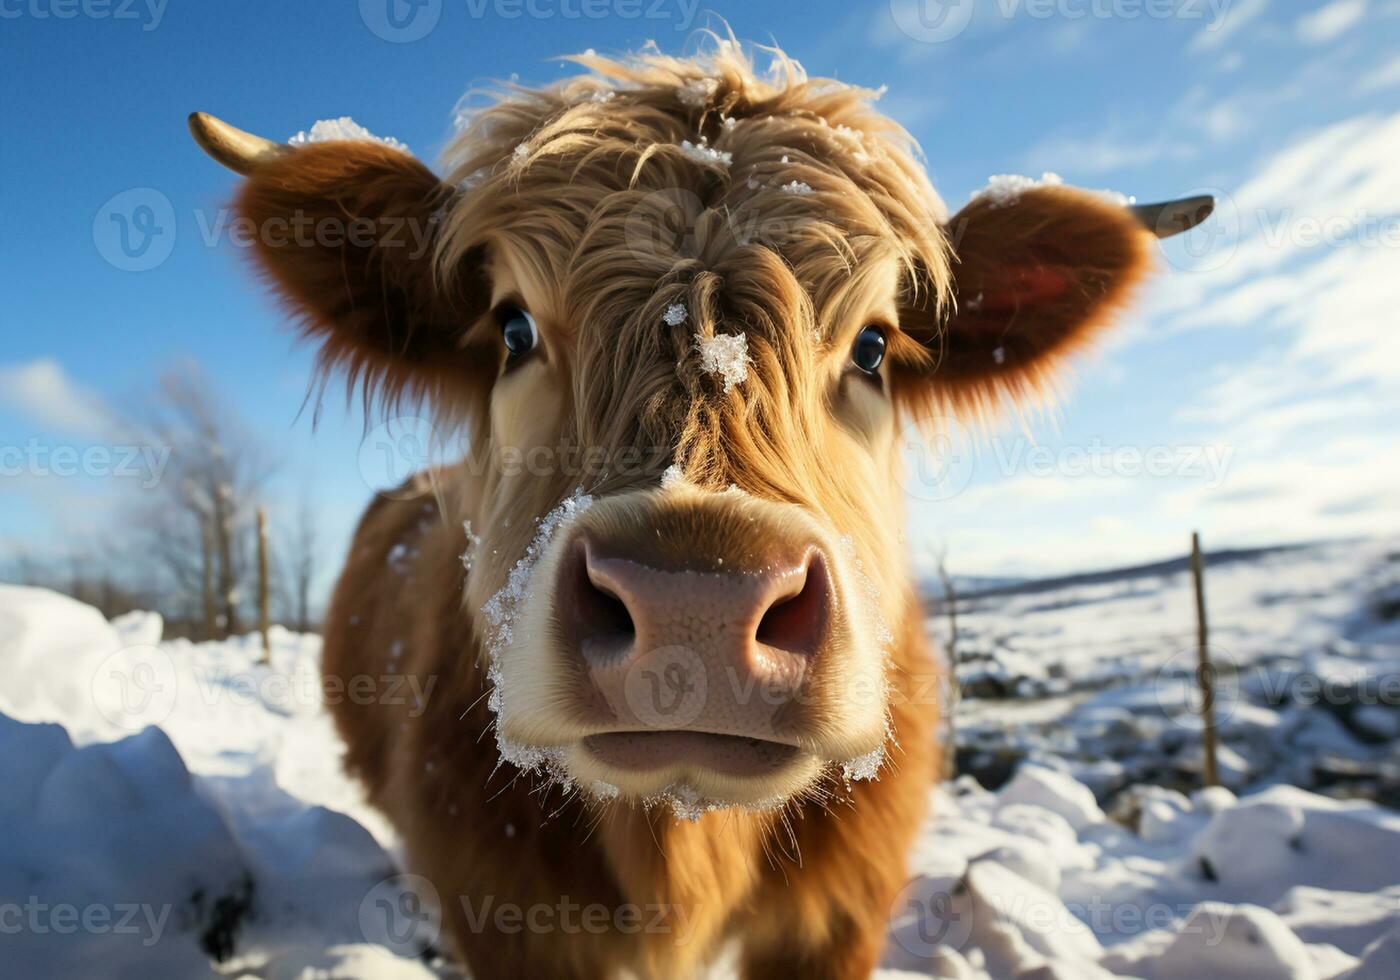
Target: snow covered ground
<point>177,810</point>
<point>1100,676</point>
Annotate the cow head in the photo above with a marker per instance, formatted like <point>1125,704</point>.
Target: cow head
<point>681,312</point>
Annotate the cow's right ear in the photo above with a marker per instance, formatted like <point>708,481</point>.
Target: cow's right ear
<point>1037,273</point>
<point>345,232</point>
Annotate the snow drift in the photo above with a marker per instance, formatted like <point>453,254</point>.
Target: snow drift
<point>177,810</point>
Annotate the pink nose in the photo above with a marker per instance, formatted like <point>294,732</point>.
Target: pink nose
<point>723,653</point>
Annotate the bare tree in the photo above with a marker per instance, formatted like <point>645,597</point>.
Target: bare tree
<point>206,578</point>
<point>299,543</point>
<point>198,522</point>
<point>22,567</point>
<point>87,570</point>
<point>949,603</point>
<point>185,546</point>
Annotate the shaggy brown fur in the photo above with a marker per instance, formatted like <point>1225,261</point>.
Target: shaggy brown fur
<point>582,203</point>
<point>808,890</point>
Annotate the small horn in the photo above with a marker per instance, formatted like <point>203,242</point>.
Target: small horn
<point>239,151</point>
<point>1173,217</point>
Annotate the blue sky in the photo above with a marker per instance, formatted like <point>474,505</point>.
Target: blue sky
<point>1252,395</point>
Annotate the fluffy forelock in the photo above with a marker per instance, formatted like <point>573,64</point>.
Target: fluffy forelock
<point>537,167</point>
<point>759,201</point>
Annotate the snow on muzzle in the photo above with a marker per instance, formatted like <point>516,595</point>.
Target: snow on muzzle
<point>682,639</point>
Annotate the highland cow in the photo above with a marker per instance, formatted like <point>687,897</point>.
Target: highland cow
<point>686,676</point>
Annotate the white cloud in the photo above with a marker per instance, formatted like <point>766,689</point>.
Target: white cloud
<point>1306,414</point>
<point>1028,525</point>
<point>1250,115</point>
<point>1221,29</point>
<point>1330,194</point>
<point>1338,489</point>
<point>1298,378</point>
<point>910,108</point>
<point>1170,134</point>
<point>1330,22</point>
<point>1104,153</point>
<point>1382,77</point>
<point>42,391</point>
<point>1131,144</point>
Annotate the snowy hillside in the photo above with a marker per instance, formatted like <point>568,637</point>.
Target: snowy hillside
<point>1100,676</point>
<point>223,841</point>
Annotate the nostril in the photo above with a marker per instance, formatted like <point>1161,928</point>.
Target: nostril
<point>599,620</point>
<point>798,623</point>
<point>607,613</point>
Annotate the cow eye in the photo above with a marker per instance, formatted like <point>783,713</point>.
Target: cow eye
<point>518,331</point>
<point>869,350</point>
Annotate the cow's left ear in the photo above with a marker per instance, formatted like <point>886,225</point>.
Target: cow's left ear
<point>1036,274</point>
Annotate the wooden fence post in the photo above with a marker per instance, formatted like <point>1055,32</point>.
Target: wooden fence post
<point>1205,671</point>
<point>263,590</point>
<point>950,732</point>
<point>207,579</point>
